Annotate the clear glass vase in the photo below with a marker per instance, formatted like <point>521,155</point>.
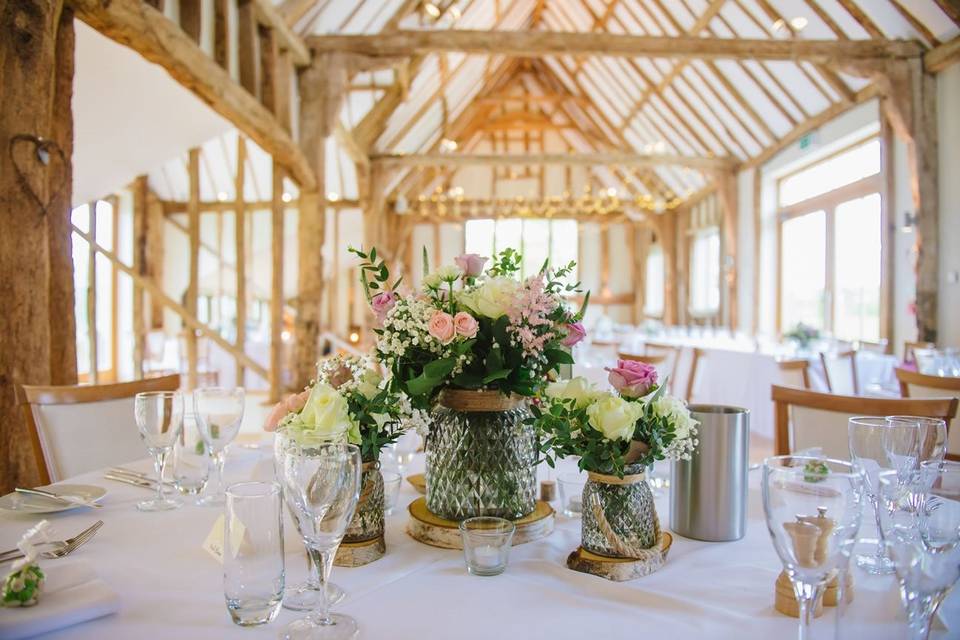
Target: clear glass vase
<point>367,523</point>
<point>619,515</point>
<point>481,457</point>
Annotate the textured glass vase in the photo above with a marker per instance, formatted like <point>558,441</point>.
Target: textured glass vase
<point>481,457</point>
<point>619,516</point>
<point>367,523</point>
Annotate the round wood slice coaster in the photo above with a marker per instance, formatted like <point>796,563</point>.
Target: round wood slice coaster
<point>357,554</point>
<point>419,482</point>
<point>620,569</point>
<point>433,530</point>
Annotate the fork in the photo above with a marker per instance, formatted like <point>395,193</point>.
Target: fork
<point>60,548</point>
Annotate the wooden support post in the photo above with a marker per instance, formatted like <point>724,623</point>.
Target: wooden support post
<point>667,231</point>
<point>221,34</point>
<point>269,59</point>
<point>193,225</point>
<point>248,42</point>
<point>887,235</point>
<point>93,376</point>
<point>641,248</point>
<point>37,330</point>
<point>191,15</point>
<point>240,234</point>
<point>727,194</point>
<point>276,286</point>
<point>154,255</point>
<point>139,190</point>
<point>757,242</point>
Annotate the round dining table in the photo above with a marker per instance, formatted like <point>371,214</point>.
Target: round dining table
<point>170,587</point>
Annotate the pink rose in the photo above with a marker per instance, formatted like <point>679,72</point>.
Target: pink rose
<point>290,404</point>
<point>465,324</point>
<point>575,333</point>
<point>382,303</point>
<point>441,327</point>
<point>471,264</point>
<point>632,379</point>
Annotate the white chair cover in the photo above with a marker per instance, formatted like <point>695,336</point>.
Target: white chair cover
<point>810,428</point>
<point>841,375</point>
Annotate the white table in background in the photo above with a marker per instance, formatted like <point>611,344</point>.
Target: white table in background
<point>170,588</point>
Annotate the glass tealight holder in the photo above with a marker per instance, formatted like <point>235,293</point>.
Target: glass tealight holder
<point>570,486</point>
<point>391,490</point>
<point>486,544</point>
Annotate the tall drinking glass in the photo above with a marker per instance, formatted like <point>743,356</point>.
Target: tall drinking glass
<point>920,526</point>
<point>253,570</point>
<point>159,416</point>
<point>812,507</point>
<point>866,438</point>
<point>305,596</point>
<point>191,464</point>
<point>219,412</point>
<point>931,436</point>
<point>321,485</point>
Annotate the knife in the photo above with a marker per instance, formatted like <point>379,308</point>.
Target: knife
<point>61,497</point>
<point>143,483</point>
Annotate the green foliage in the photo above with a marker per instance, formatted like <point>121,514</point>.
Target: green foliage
<point>506,263</point>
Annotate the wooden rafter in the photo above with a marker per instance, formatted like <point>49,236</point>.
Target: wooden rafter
<point>584,159</point>
<point>537,44</point>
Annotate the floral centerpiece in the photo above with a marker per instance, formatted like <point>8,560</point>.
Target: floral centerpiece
<point>803,335</point>
<point>351,399</point>
<point>616,435</point>
<point>472,345</point>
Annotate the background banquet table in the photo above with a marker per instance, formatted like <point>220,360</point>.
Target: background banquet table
<point>171,588</point>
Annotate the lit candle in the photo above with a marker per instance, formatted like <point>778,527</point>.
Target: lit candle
<point>486,556</point>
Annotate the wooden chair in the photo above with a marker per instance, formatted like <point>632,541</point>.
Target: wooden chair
<point>656,361</point>
<point>697,356</point>
<point>840,372</point>
<point>909,357</point>
<point>795,373</point>
<point>920,385</point>
<point>806,419</point>
<point>671,355</point>
<point>878,346</point>
<point>75,429</point>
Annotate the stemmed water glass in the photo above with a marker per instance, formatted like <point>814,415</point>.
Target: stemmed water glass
<point>920,528</point>
<point>930,436</point>
<point>812,507</point>
<point>404,449</point>
<point>218,412</point>
<point>159,416</point>
<point>321,485</point>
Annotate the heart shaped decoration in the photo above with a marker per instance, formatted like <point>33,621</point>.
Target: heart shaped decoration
<point>38,153</point>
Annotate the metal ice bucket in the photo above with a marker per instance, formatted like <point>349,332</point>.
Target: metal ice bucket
<point>708,493</point>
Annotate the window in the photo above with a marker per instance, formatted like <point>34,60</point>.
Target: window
<point>831,248</point>
<point>103,288</point>
<point>653,296</point>
<point>537,240</point>
<point>705,271</point>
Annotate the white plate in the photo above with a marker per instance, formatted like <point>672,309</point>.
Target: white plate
<point>25,503</point>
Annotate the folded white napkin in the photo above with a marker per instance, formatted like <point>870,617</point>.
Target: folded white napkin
<point>72,593</point>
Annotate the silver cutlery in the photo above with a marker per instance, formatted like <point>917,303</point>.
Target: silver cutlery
<point>58,548</point>
<point>62,497</point>
<point>143,483</point>
<point>123,471</point>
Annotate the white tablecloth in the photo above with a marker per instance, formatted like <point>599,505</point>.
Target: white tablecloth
<point>170,588</point>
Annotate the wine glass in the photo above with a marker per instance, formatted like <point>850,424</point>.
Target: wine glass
<point>931,437</point>
<point>159,416</point>
<point>812,507</point>
<point>191,464</point>
<point>920,527</point>
<point>218,412</point>
<point>404,449</point>
<point>865,436</point>
<point>305,596</point>
<point>321,484</point>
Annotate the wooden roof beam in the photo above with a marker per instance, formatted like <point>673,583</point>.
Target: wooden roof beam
<point>536,44</point>
<point>139,26</point>
<point>936,60</point>
<point>583,159</point>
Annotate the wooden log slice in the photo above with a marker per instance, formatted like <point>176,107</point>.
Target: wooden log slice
<point>621,569</point>
<point>357,554</point>
<point>419,482</point>
<point>433,530</point>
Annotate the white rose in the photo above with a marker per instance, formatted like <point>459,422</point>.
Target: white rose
<point>449,273</point>
<point>369,384</point>
<point>614,417</point>
<point>676,412</point>
<point>431,281</point>
<point>577,389</point>
<point>326,413</point>
<point>491,299</point>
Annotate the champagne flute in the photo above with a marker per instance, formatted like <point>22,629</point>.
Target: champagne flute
<point>920,526</point>
<point>812,507</point>
<point>218,412</point>
<point>902,446</point>
<point>305,596</point>
<point>159,416</point>
<point>321,484</point>
<point>866,439</point>
<point>931,437</point>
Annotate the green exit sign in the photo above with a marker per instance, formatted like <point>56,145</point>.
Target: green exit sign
<point>806,141</point>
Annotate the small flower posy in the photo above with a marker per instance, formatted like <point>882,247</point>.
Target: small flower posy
<point>638,424</point>
<point>470,328</point>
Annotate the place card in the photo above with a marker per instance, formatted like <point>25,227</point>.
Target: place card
<point>214,542</point>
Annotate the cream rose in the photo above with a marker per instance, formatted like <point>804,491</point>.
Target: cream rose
<point>325,413</point>
<point>369,384</point>
<point>577,389</point>
<point>614,417</point>
<point>491,299</point>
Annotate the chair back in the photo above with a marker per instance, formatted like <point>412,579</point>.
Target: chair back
<point>806,419</point>
<point>794,373</point>
<point>670,355</point>
<point>875,346</point>
<point>920,385</point>
<point>76,429</point>
<point>840,372</point>
<point>697,359</point>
